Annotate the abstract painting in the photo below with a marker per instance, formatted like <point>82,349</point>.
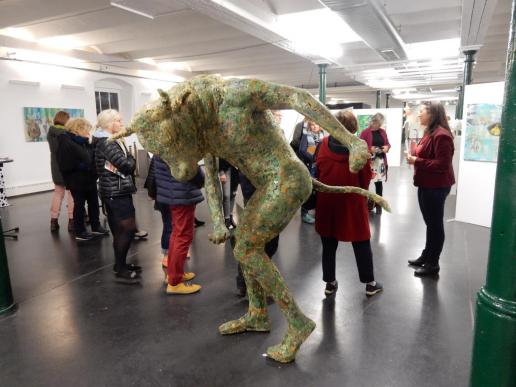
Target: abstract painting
<point>482,134</point>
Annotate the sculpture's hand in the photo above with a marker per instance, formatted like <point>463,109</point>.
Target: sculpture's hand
<point>220,234</point>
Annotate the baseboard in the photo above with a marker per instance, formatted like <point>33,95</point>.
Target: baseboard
<point>28,189</point>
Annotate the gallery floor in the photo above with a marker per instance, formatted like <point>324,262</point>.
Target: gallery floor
<point>75,327</point>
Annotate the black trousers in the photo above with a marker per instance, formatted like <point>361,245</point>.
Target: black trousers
<point>431,203</point>
<point>363,257</point>
<point>80,198</point>
<point>379,187</point>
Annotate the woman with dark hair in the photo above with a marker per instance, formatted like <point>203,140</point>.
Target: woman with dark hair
<point>54,131</point>
<point>376,138</point>
<point>433,175</point>
<point>343,217</point>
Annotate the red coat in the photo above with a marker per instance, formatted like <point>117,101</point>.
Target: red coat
<point>342,216</point>
<point>433,167</point>
<point>367,136</point>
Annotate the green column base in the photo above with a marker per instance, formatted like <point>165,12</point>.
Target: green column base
<point>494,352</point>
<point>7,308</point>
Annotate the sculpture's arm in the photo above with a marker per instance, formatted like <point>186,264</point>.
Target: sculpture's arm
<point>214,197</point>
<point>265,95</point>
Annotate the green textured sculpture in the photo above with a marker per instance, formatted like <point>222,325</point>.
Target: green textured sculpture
<point>208,117</point>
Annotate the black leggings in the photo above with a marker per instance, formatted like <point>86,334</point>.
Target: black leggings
<point>122,222</point>
<point>363,257</point>
<point>379,188</point>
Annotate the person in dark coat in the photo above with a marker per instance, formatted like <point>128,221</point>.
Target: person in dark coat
<point>433,175</point>
<point>376,138</point>
<point>343,217</point>
<point>76,163</point>
<point>115,168</point>
<point>181,197</point>
<point>54,131</point>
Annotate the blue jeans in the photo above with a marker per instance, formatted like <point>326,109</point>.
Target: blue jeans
<point>167,226</point>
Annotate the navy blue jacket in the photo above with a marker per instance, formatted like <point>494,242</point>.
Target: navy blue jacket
<point>173,192</point>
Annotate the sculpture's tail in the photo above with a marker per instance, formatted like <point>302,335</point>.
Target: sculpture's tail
<point>321,187</point>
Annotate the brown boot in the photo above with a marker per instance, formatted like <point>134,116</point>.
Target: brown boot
<point>70,225</point>
<point>54,225</point>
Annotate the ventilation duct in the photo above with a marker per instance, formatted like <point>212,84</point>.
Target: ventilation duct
<point>369,19</point>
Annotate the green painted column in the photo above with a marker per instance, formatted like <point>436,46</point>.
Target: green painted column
<point>378,99</point>
<point>469,61</point>
<point>387,96</point>
<point>322,82</point>
<point>6,294</point>
<point>494,348</point>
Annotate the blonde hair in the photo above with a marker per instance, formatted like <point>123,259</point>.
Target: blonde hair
<point>77,126</point>
<point>106,118</point>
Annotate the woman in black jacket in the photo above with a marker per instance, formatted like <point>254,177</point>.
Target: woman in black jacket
<point>115,169</point>
<point>75,160</point>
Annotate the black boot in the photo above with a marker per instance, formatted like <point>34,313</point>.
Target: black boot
<point>417,262</point>
<point>378,210</point>
<point>427,270</point>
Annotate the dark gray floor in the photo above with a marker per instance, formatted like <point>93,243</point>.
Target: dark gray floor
<point>75,327</point>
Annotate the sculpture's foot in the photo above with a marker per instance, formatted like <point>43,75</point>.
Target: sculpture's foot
<point>256,320</point>
<point>286,351</point>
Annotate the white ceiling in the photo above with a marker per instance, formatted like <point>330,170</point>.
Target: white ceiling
<point>236,38</point>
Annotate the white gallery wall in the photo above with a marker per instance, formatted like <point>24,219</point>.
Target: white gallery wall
<point>476,179</point>
<point>25,84</point>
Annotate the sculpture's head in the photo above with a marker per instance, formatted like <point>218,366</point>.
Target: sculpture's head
<point>165,130</point>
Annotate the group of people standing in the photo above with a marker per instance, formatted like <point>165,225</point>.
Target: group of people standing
<point>80,159</point>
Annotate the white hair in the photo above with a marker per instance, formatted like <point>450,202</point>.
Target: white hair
<point>106,118</point>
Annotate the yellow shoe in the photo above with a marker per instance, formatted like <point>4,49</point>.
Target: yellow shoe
<point>188,276</point>
<point>183,288</point>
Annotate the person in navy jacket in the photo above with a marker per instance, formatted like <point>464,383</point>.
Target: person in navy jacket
<point>181,197</point>
<point>433,175</point>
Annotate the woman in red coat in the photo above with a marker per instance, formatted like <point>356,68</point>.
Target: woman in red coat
<point>376,138</point>
<point>433,175</point>
<point>343,217</point>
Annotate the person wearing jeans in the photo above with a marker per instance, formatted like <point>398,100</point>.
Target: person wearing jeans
<point>433,175</point>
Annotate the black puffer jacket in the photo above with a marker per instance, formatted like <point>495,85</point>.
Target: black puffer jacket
<point>115,168</point>
<point>75,160</point>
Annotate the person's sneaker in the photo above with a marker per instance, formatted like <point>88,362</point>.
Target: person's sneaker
<point>141,234</point>
<point>183,288</point>
<point>198,223</point>
<point>371,290</point>
<point>307,218</point>
<point>99,230</point>
<point>84,236</point>
<point>130,267</point>
<point>127,277</point>
<point>54,225</point>
<point>331,288</point>
<point>71,227</point>
<point>188,276</point>
<point>228,223</point>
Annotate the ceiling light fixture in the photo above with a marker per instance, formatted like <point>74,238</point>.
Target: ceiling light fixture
<point>129,9</point>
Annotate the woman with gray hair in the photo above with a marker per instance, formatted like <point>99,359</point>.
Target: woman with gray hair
<point>115,168</point>
<point>376,138</point>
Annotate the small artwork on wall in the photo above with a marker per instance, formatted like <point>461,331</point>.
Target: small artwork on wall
<point>482,134</point>
<point>38,120</point>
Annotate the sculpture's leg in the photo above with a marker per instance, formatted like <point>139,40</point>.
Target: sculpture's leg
<point>266,214</point>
